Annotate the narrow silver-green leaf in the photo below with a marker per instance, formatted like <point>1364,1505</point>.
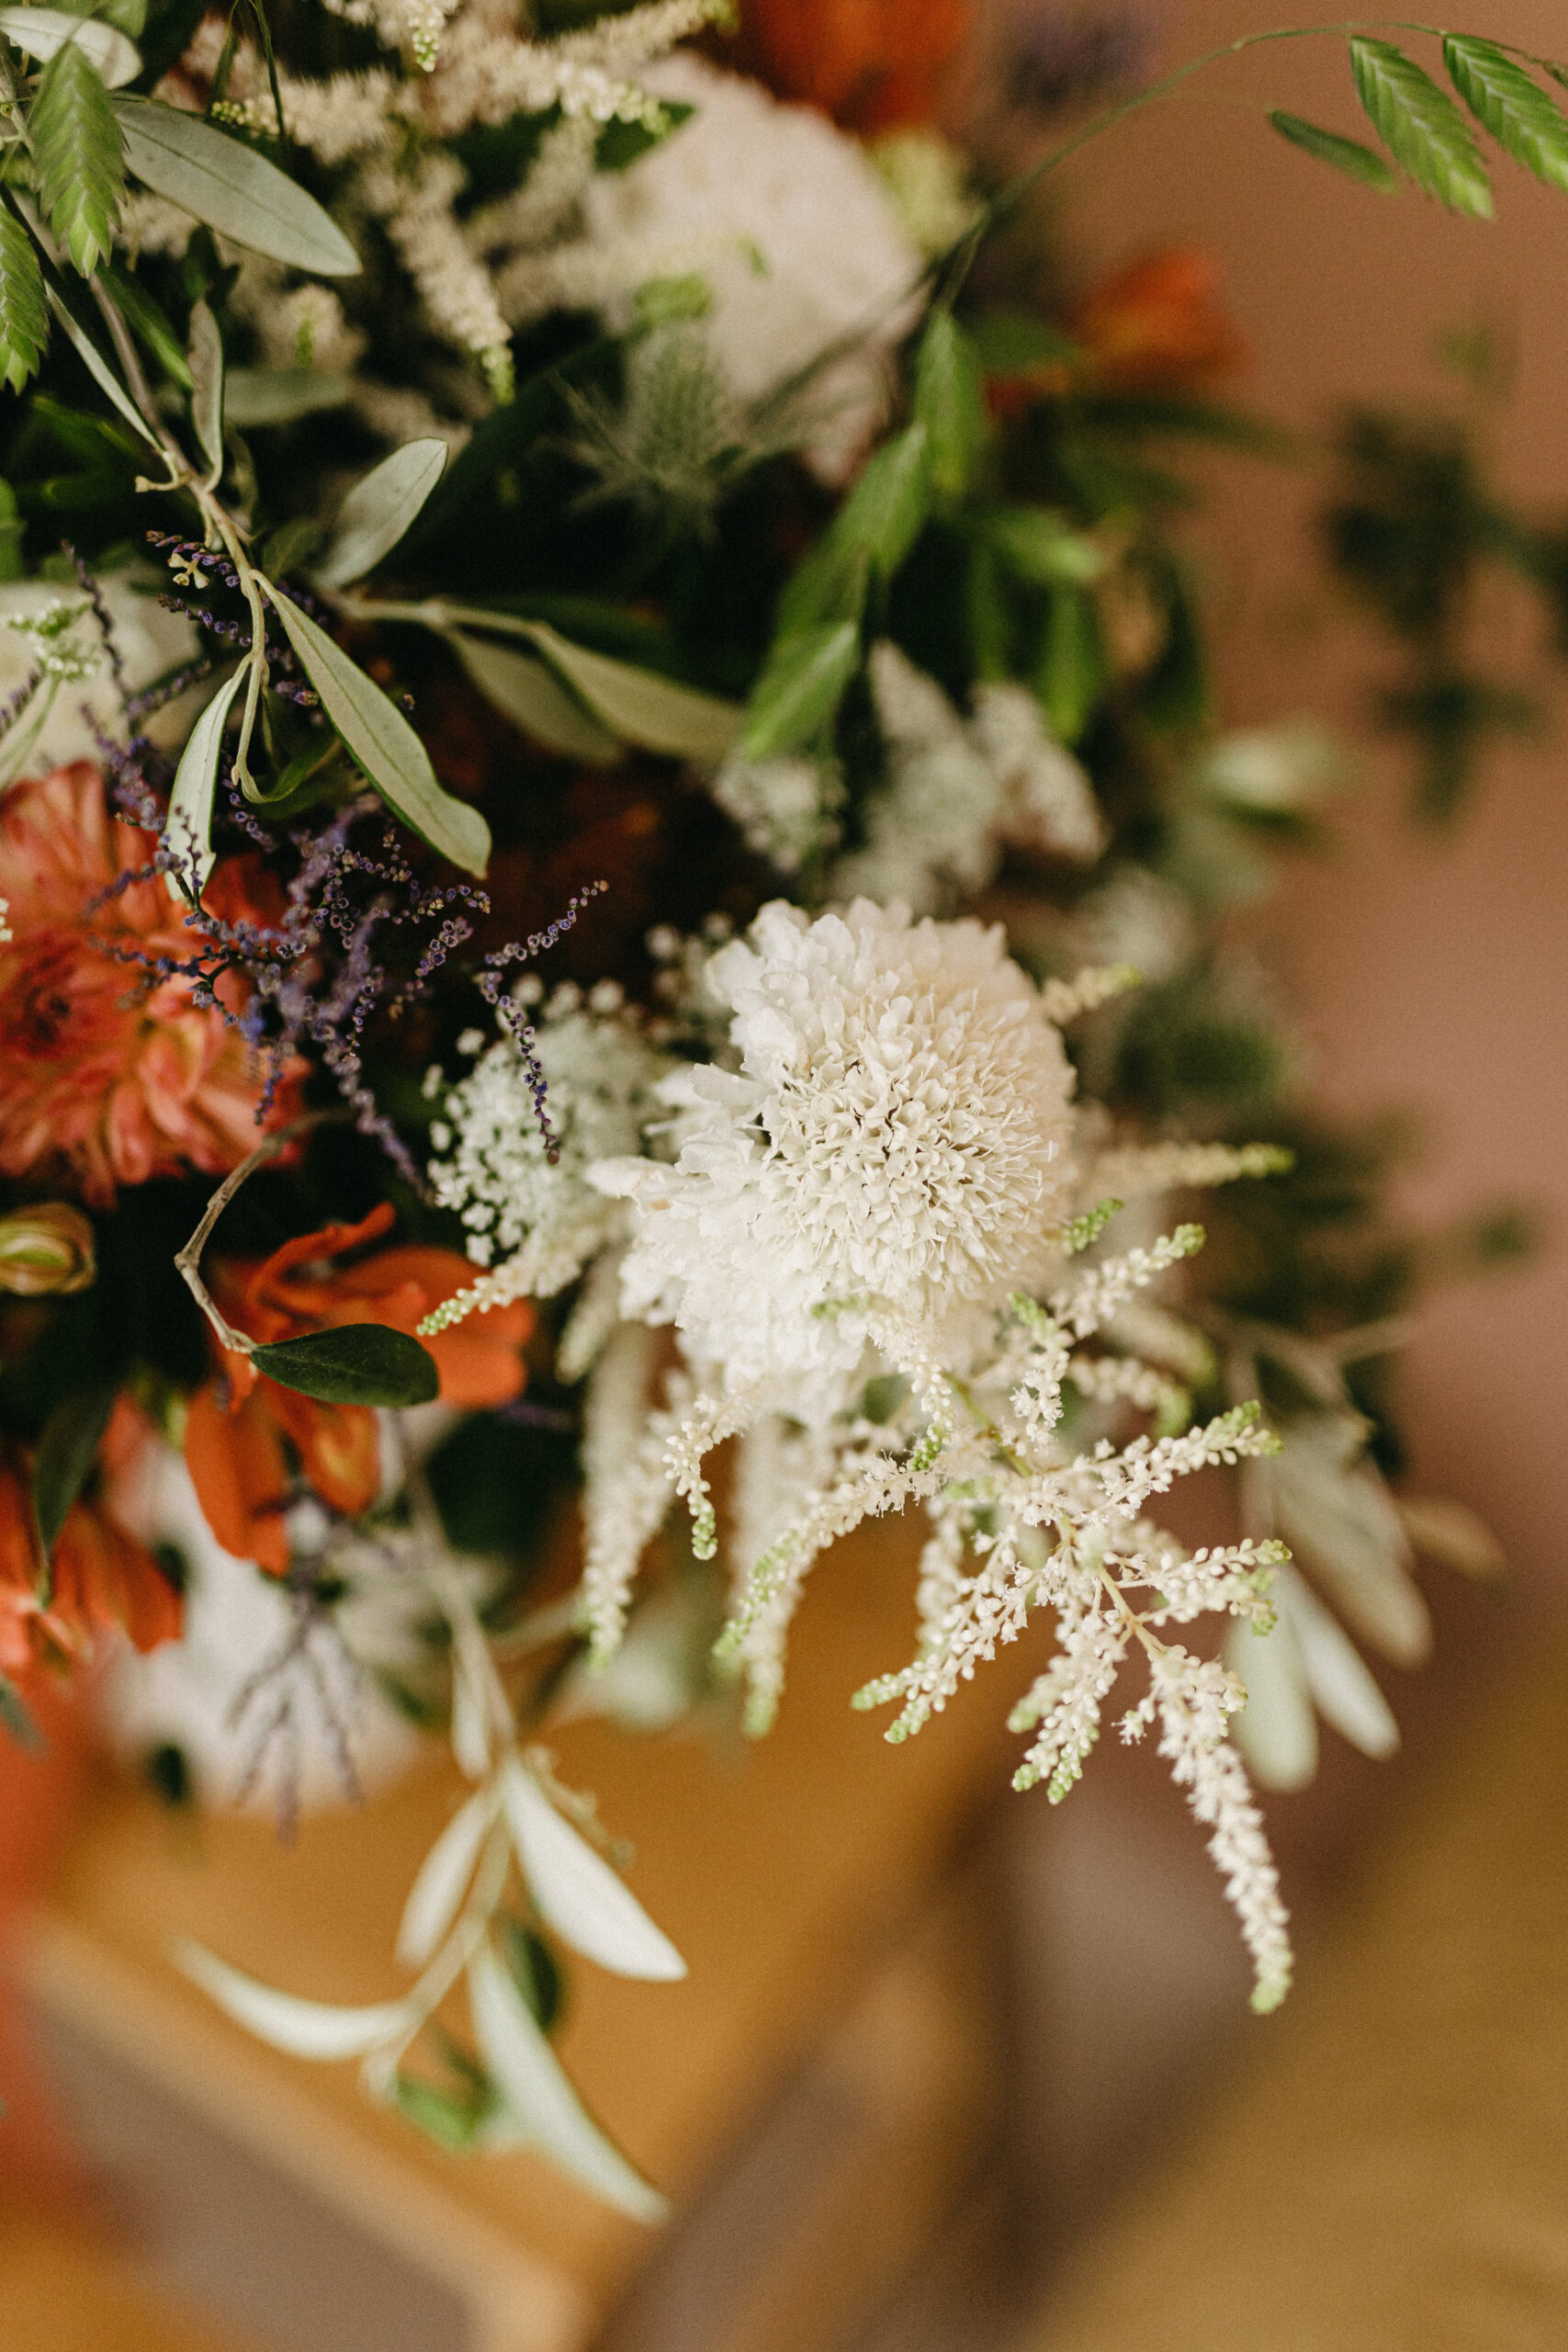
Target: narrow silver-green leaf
<point>378,510</point>
<point>1518,114</point>
<point>383,742</point>
<point>232,188</point>
<point>188,829</point>
<point>24,321</point>
<point>78,156</point>
<point>541,2107</point>
<point>524,691</point>
<point>638,705</point>
<point>305,2029</point>
<point>43,32</point>
<point>254,396</point>
<point>102,374</point>
<point>205,355</point>
<point>1346,155</point>
<point>1422,126</point>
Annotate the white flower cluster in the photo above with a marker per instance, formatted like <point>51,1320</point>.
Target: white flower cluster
<point>863,1232</point>
<point>893,1144</point>
<point>534,1223</point>
<point>794,234</point>
<point>956,794</point>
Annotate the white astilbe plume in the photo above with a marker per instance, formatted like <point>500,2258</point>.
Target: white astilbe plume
<point>416,210</point>
<point>956,794</point>
<point>534,1223</point>
<point>626,1483</point>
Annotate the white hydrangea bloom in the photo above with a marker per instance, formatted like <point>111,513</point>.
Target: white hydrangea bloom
<point>799,241</point>
<point>956,794</point>
<point>535,1224</point>
<point>79,687</point>
<point>895,1144</point>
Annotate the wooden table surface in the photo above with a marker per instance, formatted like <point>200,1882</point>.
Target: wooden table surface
<point>780,1871</point>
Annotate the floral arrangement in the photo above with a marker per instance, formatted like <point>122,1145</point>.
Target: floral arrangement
<point>618,743</point>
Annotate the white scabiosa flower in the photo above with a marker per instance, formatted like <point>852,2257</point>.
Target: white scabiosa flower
<point>791,229</point>
<point>894,1147</point>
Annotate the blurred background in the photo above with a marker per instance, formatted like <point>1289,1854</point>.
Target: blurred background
<point>1063,2012</point>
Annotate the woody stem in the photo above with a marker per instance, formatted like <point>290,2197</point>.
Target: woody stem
<point>189,1260</point>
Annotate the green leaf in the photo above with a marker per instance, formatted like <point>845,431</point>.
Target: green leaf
<point>24,321</point>
<point>358,1364</point>
<point>79,156</point>
<point>883,513</point>
<point>535,1971</point>
<point>1039,547</point>
<point>380,509</point>
<point>638,705</point>
<point>278,395</point>
<point>44,32</point>
<point>98,367</point>
<point>620,143</point>
<point>1071,677</point>
<point>1013,342</point>
<point>950,403</point>
<point>71,1438</point>
<point>449,2117</point>
<point>11,529</point>
<point>15,1718</point>
<point>526,693</point>
<point>382,741</point>
<point>207,387</point>
<point>801,688</point>
<point>147,321</point>
<point>1346,155</point>
<point>1422,126</point>
<point>231,187</point>
<point>187,828</point>
<point>1521,118</point>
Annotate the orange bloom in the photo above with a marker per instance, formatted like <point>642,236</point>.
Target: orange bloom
<point>871,64</point>
<point>100,1578</point>
<point>105,1080</point>
<point>1156,325</point>
<point>245,1433</point>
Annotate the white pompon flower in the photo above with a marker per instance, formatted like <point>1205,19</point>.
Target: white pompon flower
<point>793,231</point>
<point>894,1145</point>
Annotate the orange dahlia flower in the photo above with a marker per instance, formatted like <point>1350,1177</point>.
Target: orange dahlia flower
<point>249,1441</point>
<point>99,1578</point>
<point>108,1079</point>
<point>871,64</point>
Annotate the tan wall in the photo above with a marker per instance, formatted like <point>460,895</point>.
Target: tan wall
<point>1427,973</point>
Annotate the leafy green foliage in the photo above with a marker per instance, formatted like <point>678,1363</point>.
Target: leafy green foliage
<point>189,826</point>
<point>79,156</point>
<point>70,1438</point>
<point>358,1364</point>
<point>379,510</point>
<point>1518,113</point>
<point>949,404</point>
<point>1346,155</point>
<point>232,188</point>
<point>801,688</point>
<point>383,742</point>
<point>206,363</point>
<point>24,321</point>
<point>1422,126</point>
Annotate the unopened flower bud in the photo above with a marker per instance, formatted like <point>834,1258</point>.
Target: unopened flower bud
<point>46,1251</point>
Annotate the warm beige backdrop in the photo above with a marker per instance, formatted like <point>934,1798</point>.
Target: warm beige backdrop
<point>1427,973</point>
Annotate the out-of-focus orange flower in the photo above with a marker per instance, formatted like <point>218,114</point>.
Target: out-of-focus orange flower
<point>100,1576</point>
<point>244,1433</point>
<point>871,64</point>
<point>1157,325</point>
<point>107,1080</point>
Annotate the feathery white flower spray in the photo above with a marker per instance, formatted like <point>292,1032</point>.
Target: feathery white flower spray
<point>877,1185</point>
